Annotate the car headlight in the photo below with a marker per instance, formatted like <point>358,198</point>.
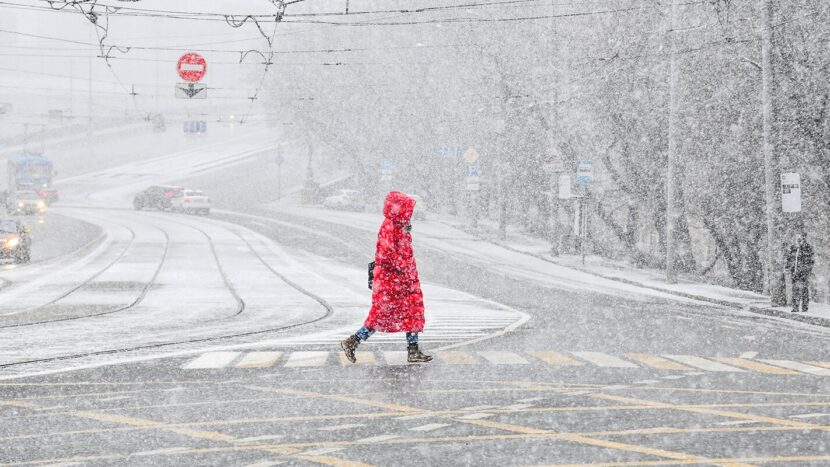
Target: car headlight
<point>20,205</point>
<point>11,242</point>
<point>41,204</point>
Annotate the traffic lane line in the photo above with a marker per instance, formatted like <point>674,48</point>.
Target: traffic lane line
<point>467,439</point>
<point>732,462</point>
<point>501,426</point>
<point>188,432</point>
<point>380,415</point>
<point>708,411</point>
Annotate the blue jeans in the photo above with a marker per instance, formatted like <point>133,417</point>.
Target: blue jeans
<point>364,333</point>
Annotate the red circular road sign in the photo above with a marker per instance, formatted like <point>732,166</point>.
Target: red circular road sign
<point>192,67</point>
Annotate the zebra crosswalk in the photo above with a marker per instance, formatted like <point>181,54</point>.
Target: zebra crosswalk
<point>686,364</point>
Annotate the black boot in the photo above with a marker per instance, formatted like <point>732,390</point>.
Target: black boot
<point>415,355</point>
<point>349,346</point>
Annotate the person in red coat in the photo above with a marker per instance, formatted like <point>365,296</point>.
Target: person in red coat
<point>397,301</point>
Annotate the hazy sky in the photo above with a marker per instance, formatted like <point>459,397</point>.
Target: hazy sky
<point>39,75</point>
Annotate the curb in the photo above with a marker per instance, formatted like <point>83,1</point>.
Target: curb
<point>767,311</point>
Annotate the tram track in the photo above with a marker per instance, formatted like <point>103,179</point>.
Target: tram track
<point>328,311</point>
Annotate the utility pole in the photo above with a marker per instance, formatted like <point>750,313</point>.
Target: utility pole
<point>671,175</point>
<point>89,91</point>
<point>772,164</point>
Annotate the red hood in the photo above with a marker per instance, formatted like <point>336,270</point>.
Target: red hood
<point>398,208</point>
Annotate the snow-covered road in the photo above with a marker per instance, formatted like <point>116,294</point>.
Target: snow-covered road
<point>161,282</point>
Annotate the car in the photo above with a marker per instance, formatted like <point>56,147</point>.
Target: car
<point>420,212</point>
<point>156,197</point>
<point>345,199</point>
<point>49,195</point>
<point>190,202</point>
<point>15,242</point>
<point>25,202</point>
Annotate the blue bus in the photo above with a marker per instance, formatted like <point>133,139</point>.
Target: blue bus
<point>28,172</point>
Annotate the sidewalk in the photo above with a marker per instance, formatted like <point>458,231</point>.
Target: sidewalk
<point>620,271</point>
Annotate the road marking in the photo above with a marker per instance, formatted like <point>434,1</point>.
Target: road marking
<point>604,360</point>
<point>157,452</point>
<point>259,360</point>
<point>378,439</point>
<point>476,407</point>
<point>456,358</point>
<point>736,422</point>
<point>429,427</point>
<point>708,411</point>
<point>320,451</point>
<point>798,366</point>
<point>364,358</point>
<point>266,464</point>
<point>139,422</point>
<point>395,358</point>
<point>475,416</point>
<point>757,366</point>
<point>726,462</point>
<point>656,362</point>
<point>350,400</point>
<point>503,357</point>
<point>333,461</point>
<point>254,439</point>
<point>307,359</point>
<point>556,359</point>
<point>517,406</point>
<point>340,427</point>
<point>491,424</point>
<point>811,415</point>
<point>704,364</point>
<point>749,355</point>
<point>211,360</point>
<point>821,364</point>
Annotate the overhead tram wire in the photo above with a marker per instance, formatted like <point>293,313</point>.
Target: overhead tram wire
<point>120,10</point>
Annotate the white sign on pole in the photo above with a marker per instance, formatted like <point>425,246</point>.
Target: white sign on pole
<point>564,186</point>
<point>555,164</point>
<point>791,192</point>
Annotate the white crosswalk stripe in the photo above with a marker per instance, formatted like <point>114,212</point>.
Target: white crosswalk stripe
<point>797,366</point>
<point>212,360</point>
<point>504,358</point>
<point>604,360</point>
<point>304,359</point>
<point>703,364</point>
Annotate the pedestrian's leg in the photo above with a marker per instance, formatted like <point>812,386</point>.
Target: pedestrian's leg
<point>349,345</point>
<point>796,295</point>
<point>414,355</point>
<point>805,297</point>
<point>412,338</point>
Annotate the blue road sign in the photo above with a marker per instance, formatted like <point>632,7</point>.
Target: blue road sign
<point>387,165</point>
<point>472,171</point>
<point>447,151</point>
<point>584,172</point>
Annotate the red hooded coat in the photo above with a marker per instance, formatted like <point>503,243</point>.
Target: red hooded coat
<point>397,301</point>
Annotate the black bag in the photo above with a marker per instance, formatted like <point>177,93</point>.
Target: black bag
<point>371,274</point>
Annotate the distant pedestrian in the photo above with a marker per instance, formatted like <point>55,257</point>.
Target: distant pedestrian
<point>800,265</point>
<point>397,301</point>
